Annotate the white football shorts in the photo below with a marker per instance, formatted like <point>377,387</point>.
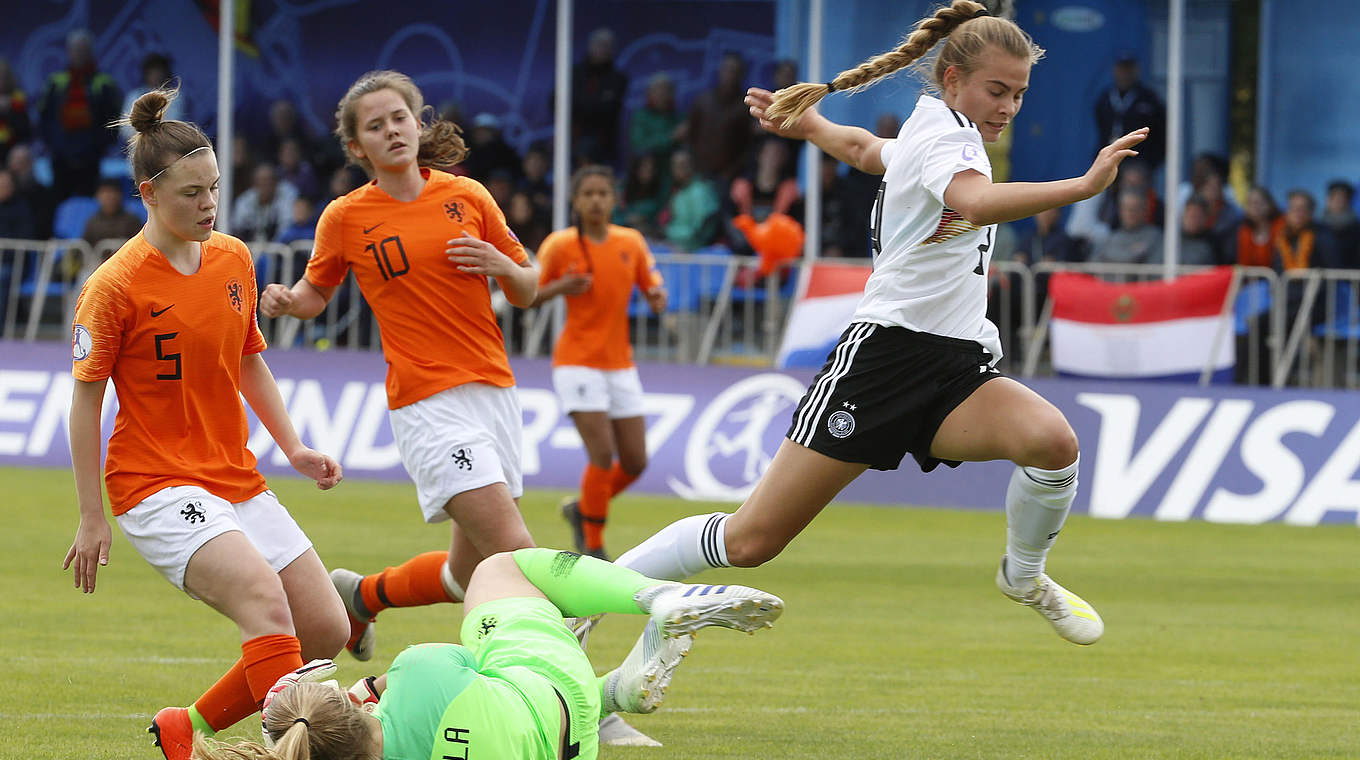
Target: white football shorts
<point>586,389</point>
<point>168,526</point>
<point>466,437</point>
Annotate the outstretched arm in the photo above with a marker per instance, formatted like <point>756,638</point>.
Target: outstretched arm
<point>981,202</point>
<point>855,146</point>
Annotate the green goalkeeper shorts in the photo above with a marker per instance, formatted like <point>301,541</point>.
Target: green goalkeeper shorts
<point>524,641</point>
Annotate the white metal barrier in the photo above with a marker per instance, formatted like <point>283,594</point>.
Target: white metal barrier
<point>719,309</point>
<point>1296,328</point>
<point>39,283</point>
<point>1321,347</point>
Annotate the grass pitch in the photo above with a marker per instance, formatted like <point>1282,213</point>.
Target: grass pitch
<point>1221,641</point>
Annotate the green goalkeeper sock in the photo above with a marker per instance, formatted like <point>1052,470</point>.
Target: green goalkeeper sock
<point>200,723</point>
<point>582,586</point>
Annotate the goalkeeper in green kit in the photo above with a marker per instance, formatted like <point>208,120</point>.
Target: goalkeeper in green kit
<point>519,686</point>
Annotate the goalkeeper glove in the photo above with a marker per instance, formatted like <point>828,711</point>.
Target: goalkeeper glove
<point>363,694</point>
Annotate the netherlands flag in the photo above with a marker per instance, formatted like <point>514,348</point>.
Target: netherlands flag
<point>819,316</point>
<point>1164,330</point>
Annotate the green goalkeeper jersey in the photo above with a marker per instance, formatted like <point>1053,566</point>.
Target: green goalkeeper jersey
<point>438,707</point>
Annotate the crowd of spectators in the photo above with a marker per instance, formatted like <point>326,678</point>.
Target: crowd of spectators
<point>1123,225</point>
<point>686,171</point>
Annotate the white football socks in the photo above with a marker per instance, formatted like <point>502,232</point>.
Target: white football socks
<point>1037,503</point>
<point>451,587</point>
<point>682,549</point>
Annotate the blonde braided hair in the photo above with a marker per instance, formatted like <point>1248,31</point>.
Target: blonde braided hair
<point>965,25</point>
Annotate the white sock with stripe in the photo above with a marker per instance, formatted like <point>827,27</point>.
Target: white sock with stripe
<point>451,587</point>
<point>682,549</point>
<point>1037,503</point>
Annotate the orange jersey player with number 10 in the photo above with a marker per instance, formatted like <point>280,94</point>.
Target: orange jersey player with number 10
<point>170,318</point>
<point>422,243</point>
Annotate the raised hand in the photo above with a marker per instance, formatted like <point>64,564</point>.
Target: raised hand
<point>758,100</point>
<point>1105,167</point>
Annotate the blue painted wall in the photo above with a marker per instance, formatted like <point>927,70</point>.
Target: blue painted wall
<point>1054,133</point>
<point>1311,95</point>
<point>496,58</point>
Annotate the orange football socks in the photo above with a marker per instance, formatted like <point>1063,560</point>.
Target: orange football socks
<point>414,583</point>
<point>619,480</point>
<point>596,489</point>
<point>239,692</point>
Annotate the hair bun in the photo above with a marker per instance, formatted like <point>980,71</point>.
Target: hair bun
<point>150,108</point>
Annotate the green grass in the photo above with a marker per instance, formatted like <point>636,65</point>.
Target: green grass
<point>1221,641</point>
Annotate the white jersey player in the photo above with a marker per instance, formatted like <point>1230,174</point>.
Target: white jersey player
<point>915,371</point>
<point>930,263</point>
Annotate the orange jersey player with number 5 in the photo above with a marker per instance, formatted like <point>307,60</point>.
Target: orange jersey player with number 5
<point>595,266</point>
<point>422,244</point>
<point>170,318</point>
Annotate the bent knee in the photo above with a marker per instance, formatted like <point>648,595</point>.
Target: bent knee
<point>323,639</point>
<point>633,466</point>
<point>499,561</point>
<point>1052,446</point>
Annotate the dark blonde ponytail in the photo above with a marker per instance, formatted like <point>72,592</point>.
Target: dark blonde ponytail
<point>966,26</point>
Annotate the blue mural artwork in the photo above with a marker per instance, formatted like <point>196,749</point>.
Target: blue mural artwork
<point>497,59</point>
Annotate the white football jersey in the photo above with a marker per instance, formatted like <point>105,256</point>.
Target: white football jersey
<point>930,264</point>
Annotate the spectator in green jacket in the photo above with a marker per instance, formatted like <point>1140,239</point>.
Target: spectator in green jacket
<point>657,127</point>
<point>693,208</point>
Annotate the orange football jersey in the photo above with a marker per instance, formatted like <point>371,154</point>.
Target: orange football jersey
<point>438,329</point>
<point>172,343</point>
<point>596,334</point>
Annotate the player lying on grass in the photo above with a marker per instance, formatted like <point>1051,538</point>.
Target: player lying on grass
<point>519,686</point>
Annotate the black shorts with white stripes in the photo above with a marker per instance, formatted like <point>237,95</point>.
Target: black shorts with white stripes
<point>883,393</point>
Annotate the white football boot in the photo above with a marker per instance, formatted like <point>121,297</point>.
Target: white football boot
<point>684,608</point>
<point>1072,617</point>
<point>640,683</point>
